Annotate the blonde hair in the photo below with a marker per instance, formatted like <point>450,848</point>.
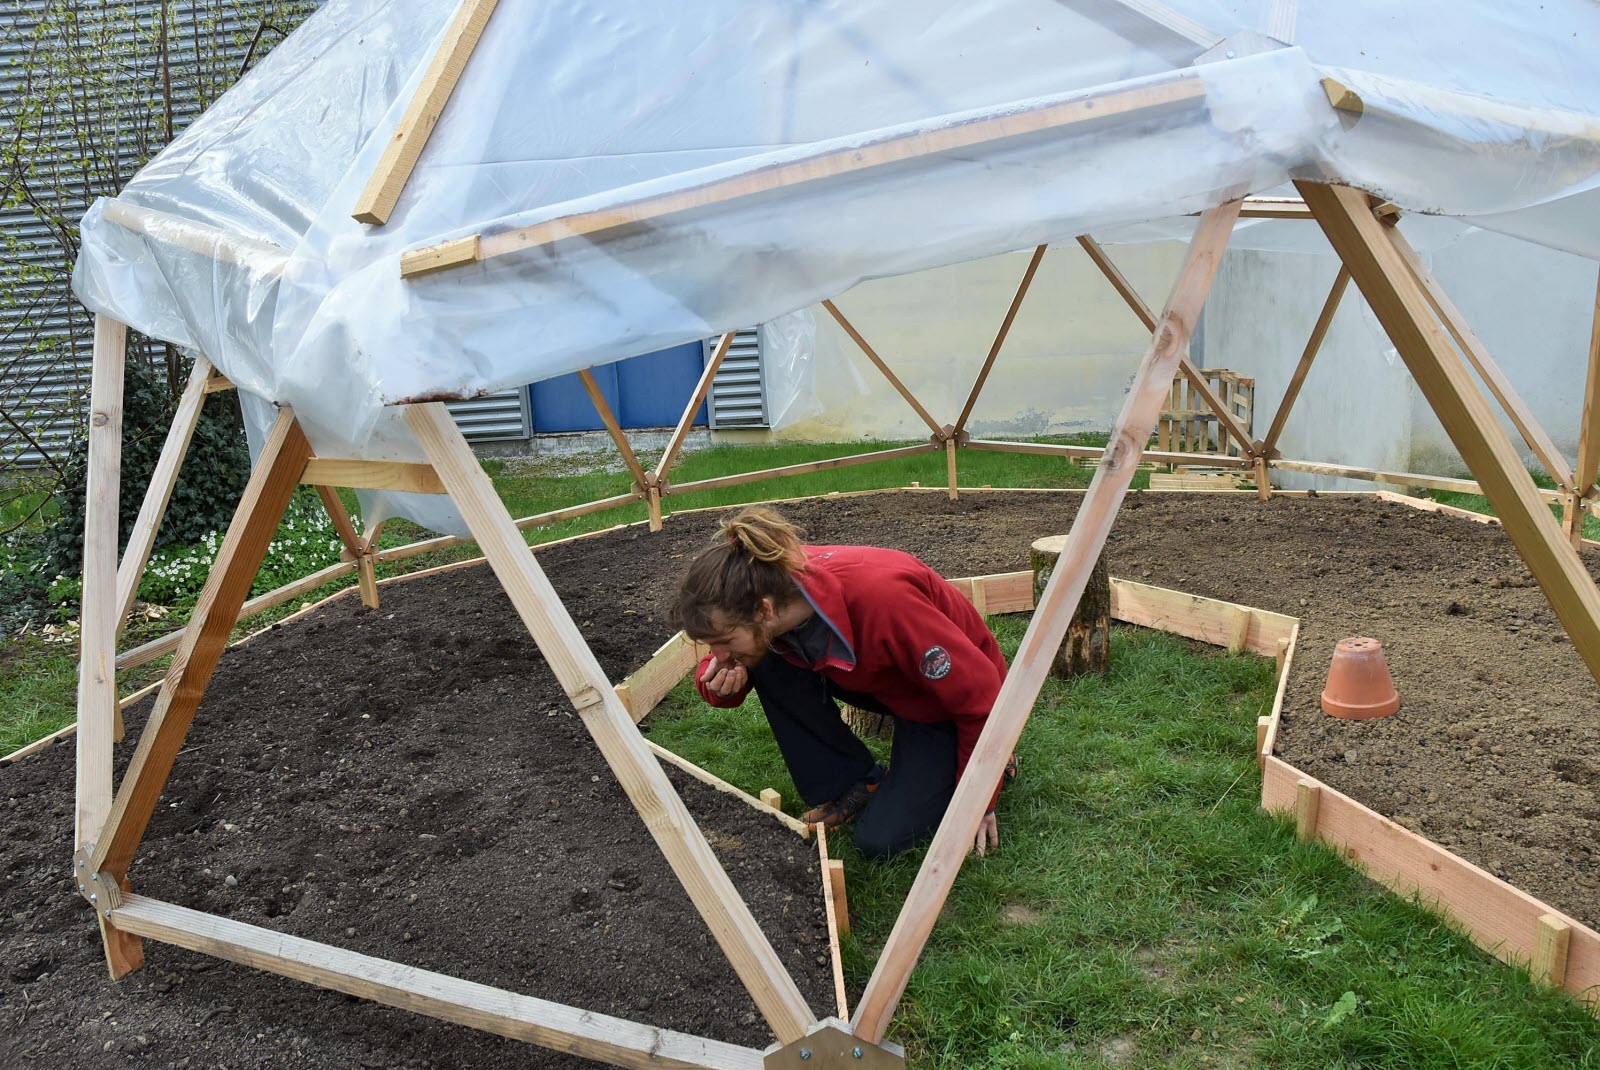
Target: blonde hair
<point>755,556</point>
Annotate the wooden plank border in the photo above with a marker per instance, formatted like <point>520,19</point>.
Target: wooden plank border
<point>832,907</point>
<point>1500,918</point>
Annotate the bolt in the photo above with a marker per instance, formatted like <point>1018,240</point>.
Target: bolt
<point>1230,53</point>
<point>856,1052</point>
<point>81,863</point>
<point>805,1054</point>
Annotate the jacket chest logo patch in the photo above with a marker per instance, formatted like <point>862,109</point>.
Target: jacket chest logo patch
<point>936,663</point>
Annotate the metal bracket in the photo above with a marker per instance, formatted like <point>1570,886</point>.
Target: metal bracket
<point>829,1045</point>
<point>99,888</point>
<point>947,433</point>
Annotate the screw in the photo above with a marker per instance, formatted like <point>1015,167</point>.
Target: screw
<point>1230,54</point>
<point>805,1054</point>
<point>93,898</point>
<point>856,1052</point>
<point>81,863</point>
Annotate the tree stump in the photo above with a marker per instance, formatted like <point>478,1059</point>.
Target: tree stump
<point>1087,646</point>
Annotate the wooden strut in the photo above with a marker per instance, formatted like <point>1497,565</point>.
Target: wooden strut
<point>1097,453</point>
<point>1588,432</point>
<point>1181,89</point>
<point>1085,542</point>
<point>163,480</point>
<point>1319,332</point>
<point>1380,270</point>
<point>98,710</point>
<point>1000,337</point>
<point>877,361</point>
<point>618,738</point>
<point>655,481</point>
<point>1175,21</point>
<point>405,145</point>
<point>613,427</point>
<point>1131,297</point>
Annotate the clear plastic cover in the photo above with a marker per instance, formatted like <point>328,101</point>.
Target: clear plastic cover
<point>1045,120</point>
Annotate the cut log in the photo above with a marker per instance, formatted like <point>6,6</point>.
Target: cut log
<point>1086,649</point>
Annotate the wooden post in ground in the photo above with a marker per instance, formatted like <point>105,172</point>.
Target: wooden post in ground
<point>366,565</point>
<point>1049,624</point>
<point>1396,298</point>
<point>1087,648</point>
<point>97,669</point>
<point>1584,475</point>
<point>603,714</point>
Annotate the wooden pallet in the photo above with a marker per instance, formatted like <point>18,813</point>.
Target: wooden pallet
<point>1188,425</point>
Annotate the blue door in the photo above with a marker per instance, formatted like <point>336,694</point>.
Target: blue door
<point>644,391</point>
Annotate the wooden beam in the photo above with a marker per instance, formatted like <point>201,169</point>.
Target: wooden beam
<point>456,252</point>
<point>372,475</point>
<point>950,468</point>
<point>1589,427</point>
<point>265,498</point>
<point>877,361</point>
<point>142,540</point>
<point>618,738</point>
<point>584,1033</point>
<point>613,428</point>
<point>1175,21</point>
<point>1045,631</point>
<point>1396,298</point>
<point>802,469</point>
<point>1404,479</point>
<point>1131,297</point>
<point>1533,434</point>
<point>701,389</point>
<point>1275,208</point>
<point>770,797</point>
<point>1319,332</point>
<point>341,519</point>
<point>1000,337</point>
<point>1498,917</point>
<point>219,383</point>
<point>1206,460</point>
<point>1150,98</point>
<point>224,247</point>
<point>711,780</point>
<point>831,908</point>
<point>97,674</point>
<point>405,145</point>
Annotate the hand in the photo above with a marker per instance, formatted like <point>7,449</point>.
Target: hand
<point>723,679</point>
<point>988,835</point>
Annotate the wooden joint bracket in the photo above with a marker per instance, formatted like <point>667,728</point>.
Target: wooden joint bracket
<point>829,1045</point>
<point>99,888</point>
<point>950,433</point>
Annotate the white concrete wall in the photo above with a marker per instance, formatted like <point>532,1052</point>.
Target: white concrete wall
<point>1065,366</point>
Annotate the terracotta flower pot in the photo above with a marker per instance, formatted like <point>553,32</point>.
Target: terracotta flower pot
<point>1359,685</point>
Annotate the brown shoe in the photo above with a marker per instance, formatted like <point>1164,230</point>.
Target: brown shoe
<point>843,810</point>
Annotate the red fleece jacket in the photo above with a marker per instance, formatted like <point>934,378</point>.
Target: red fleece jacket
<point>904,635</point>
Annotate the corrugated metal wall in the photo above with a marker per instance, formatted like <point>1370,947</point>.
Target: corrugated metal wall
<point>86,94</point>
<point>739,392</point>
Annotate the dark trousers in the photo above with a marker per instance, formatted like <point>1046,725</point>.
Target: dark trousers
<point>825,758</point>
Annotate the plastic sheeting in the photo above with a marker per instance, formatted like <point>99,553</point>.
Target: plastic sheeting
<point>569,107</point>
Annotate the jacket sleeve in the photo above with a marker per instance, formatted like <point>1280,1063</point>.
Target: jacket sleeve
<point>726,702</point>
<point>959,680</point>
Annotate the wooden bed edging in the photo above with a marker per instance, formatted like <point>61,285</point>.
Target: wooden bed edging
<point>833,908</point>
<point>1500,918</point>
<point>493,1010</point>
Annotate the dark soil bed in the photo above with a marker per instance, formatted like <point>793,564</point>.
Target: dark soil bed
<point>411,783</point>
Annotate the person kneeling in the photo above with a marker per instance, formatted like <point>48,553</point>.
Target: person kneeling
<point>808,626</point>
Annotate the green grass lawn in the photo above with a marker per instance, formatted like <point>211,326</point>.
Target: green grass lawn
<point>1141,911</point>
<point>1480,504</point>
